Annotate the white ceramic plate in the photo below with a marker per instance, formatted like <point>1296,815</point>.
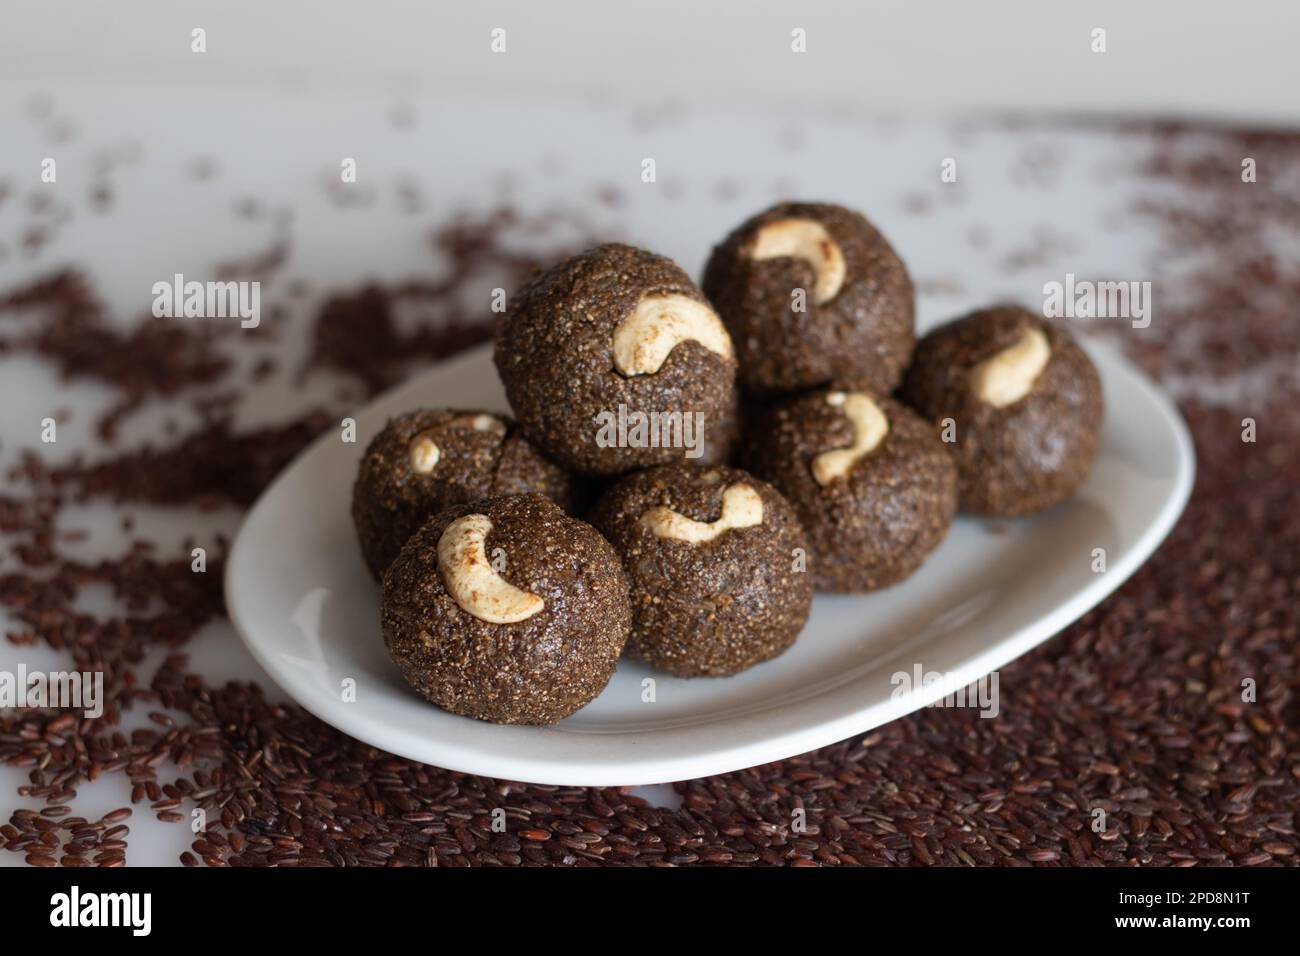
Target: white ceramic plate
<point>309,612</point>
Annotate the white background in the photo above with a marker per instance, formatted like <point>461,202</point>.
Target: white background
<point>1230,60</point>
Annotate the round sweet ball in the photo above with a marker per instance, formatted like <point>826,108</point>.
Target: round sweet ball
<point>613,360</point>
<point>813,295</point>
<point>425,461</point>
<point>1023,403</point>
<point>507,610</point>
<point>717,565</point>
<point>869,479</point>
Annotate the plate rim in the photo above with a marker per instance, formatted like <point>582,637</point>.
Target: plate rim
<point>632,770</point>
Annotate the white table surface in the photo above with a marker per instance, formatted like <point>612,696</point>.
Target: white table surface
<point>274,135</point>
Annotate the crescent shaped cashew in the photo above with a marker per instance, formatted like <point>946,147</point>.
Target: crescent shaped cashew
<point>1009,375</point>
<point>472,581</point>
<point>741,508</point>
<point>644,339</point>
<point>870,426</point>
<point>805,239</point>
<point>425,453</point>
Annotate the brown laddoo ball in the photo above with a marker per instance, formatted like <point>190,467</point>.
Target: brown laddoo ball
<point>813,295</point>
<point>1023,402</point>
<point>507,610</point>
<point>428,460</point>
<point>613,360</point>
<point>868,478</point>
<point>717,564</point>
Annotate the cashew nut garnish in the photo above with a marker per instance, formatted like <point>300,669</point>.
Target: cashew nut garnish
<point>805,239</point>
<point>425,453</point>
<point>481,423</point>
<point>1008,376</point>
<point>472,581</point>
<point>644,339</point>
<point>870,426</point>
<point>741,508</point>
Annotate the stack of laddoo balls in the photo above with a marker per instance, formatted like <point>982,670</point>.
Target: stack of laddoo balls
<point>686,464</point>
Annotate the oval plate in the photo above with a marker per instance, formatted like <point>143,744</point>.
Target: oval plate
<point>302,600</point>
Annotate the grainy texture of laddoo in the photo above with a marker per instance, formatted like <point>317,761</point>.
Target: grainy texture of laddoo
<point>402,481</point>
<point>532,671</point>
<point>555,354</point>
<point>876,524</point>
<point>862,338</point>
<point>715,607</point>
<point>1027,456</point>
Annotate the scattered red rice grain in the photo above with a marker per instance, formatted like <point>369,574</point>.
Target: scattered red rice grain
<point>1136,710</point>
